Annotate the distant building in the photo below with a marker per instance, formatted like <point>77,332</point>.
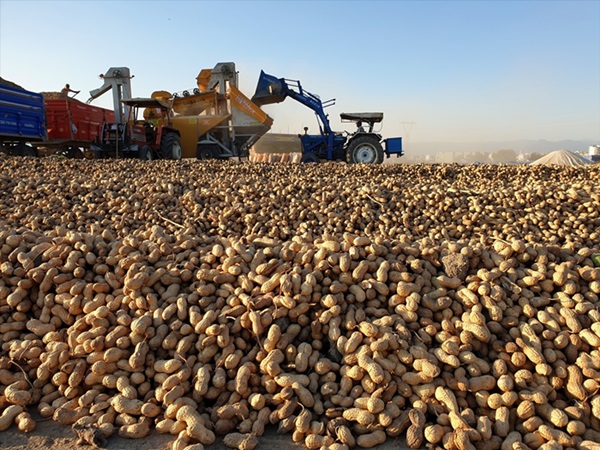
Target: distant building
<point>594,153</point>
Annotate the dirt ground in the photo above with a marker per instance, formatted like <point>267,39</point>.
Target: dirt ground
<point>52,436</point>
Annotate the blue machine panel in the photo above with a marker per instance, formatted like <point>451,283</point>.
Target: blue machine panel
<point>393,146</point>
<point>21,114</point>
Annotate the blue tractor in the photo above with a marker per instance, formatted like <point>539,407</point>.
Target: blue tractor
<point>362,146</point>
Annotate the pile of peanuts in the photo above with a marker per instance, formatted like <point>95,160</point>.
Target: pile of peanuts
<point>550,205</point>
<point>345,305</point>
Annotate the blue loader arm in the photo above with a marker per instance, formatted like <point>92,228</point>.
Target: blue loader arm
<point>271,89</point>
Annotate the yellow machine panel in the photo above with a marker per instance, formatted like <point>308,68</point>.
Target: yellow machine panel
<point>203,79</point>
<point>195,104</point>
<point>252,114</point>
<point>192,127</point>
<point>215,120</point>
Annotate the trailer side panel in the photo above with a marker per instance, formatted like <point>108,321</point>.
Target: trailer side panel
<point>21,115</point>
<point>72,120</point>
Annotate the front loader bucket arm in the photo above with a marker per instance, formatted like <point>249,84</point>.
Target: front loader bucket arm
<point>269,90</point>
<point>275,90</point>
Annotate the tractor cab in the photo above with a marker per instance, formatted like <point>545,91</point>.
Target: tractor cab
<point>153,108</point>
<point>154,112</point>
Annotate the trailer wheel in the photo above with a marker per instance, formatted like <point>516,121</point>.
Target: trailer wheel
<point>75,153</point>
<point>309,157</point>
<point>206,152</point>
<point>365,149</point>
<point>170,146</point>
<point>24,150</point>
<point>146,153</point>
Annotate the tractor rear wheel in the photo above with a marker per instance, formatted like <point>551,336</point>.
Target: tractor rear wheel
<point>365,149</point>
<point>309,157</point>
<point>170,146</point>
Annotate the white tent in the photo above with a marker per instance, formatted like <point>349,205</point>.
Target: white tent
<point>561,158</point>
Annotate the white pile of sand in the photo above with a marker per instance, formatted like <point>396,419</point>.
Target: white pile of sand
<point>561,158</point>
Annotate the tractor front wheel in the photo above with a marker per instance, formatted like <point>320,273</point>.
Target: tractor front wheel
<point>146,153</point>
<point>170,146</point>
<point>309,157</point>
<point>365,149</point>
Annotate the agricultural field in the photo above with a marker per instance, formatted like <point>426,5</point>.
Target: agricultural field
<point>191,305</point>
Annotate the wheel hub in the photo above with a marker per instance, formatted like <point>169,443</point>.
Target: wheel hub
<point>365,154</point>
<point>176,151</point>
<point>206,153</point>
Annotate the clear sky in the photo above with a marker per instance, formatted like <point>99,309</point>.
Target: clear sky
<point>456,71</point>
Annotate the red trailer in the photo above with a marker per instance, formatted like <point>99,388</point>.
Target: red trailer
<point>73,127</point>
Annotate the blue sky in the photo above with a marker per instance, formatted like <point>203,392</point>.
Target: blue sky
<point>456,71</point>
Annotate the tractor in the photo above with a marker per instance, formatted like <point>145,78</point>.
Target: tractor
<point>153,138</point>
<point>360,146</point>
<point>145,139</point>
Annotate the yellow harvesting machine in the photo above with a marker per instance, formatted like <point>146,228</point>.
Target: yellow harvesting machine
<point>215,119</point>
